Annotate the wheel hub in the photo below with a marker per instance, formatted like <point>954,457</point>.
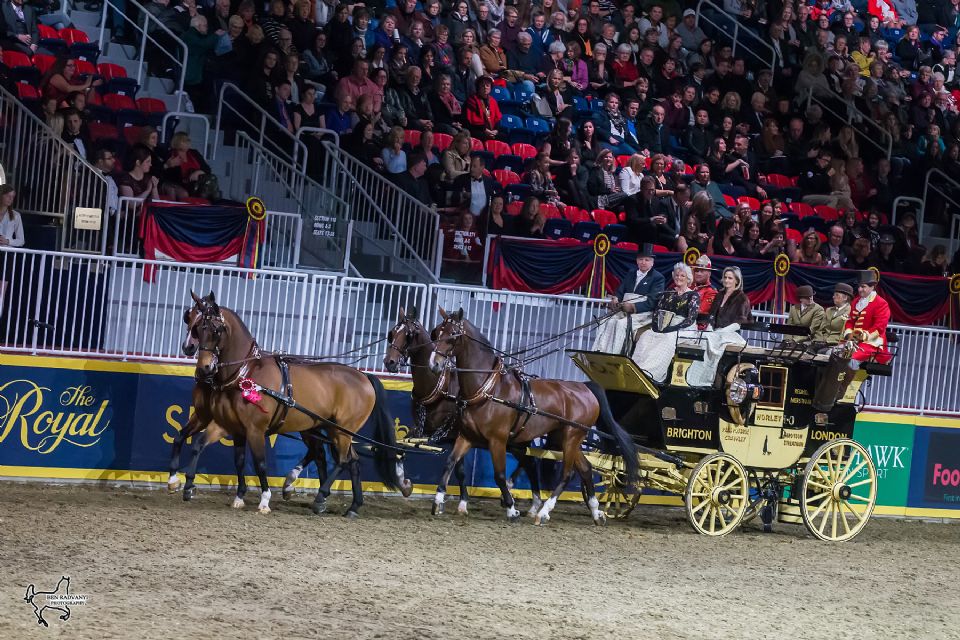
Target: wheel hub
<point>842,491</point>
<point>720,497</point>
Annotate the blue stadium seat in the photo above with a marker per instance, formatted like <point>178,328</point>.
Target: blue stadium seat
<point>557,228</point>
<point>509,161</point>
<point>584,231</point>
<point>537,125</point>
<point>500,94</point>
<point>616,232</point>
<point>518,191</point>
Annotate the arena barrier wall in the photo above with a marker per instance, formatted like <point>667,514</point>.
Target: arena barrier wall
<point>65,419</point>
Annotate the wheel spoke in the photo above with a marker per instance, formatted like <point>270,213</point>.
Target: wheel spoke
<point>819,496</point>
<point>723,520</point>
<point>819,486</point>
<point>854,496</point>
<point>820,508</point>
<point>699,495</point>
<point>713,520</point>
<point>843,519</point>
<point>854,471</point>
<point>833,528</point>
<point>859,516</point>
<point>826,515</point>
<point>697,508</point>
<point>862,482</point>
<point>726,475</point>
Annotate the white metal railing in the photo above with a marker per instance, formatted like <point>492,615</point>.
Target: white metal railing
<point>264,128</point>
<point>50,176</point>
<point>81,305</point>
<point>280,247</point>
<point>744,39</point>
<point>949,192</point>
<point>855,117</point>
<point>313,131</point>
<point>175,117</point>
<point>382,212</point>
<point>146,24</point>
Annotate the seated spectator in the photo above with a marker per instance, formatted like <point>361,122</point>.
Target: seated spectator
<point>699,137</point>
<point>703,183</point>
<point>492,55</point>
<point>575,70</point>
<point>447,110</point>
<point>540,179</point>
<point>886,259</point>
<point>603,186</point>
<point>361,144</point>
<point>557,97</point>
<point>393,156</point>
<point>186,170</point>
<point>411,103</point>
<point>524,63</point>
<point>280,106</point>
<point>495,216</point>
<point>809,250</point>
<point>612,127</point>
<point>529,224</point>
<point>654,135</point>
<point>572,182</point>
<point>482,112</point>
<point>74,134</point>
<point>319,62</point>
<point>412,181</point>
<point>934,263</point>
<point>631,175</point>
<point>61,79</point>
<point>750,245</point>
<point>668,222</point>
<point>664,183</point>
<point>724,242</point>
<point>425,146</point>
<point>833,251</point>
<point>137,181</point>
<point>473,190</point>
<point>259,85</point>
<point>11,226</point>
<point>693,236</point>
<point>339,118</point>
<point>600,79</point>
<point>20,32</point>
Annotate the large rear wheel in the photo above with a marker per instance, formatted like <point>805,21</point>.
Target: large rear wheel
<point>839,490</point>
<point>717,495</point>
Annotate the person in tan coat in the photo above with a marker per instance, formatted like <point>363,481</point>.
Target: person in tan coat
<point>808,314</point>
<point>835,317</point>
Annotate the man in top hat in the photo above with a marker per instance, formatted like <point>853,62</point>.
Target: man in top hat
<point>634,302</point>
<point>808,314</point>
<point>701,284</point>
<point>867,325</point>
<point>835,317</point>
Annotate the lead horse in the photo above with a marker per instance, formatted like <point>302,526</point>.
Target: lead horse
<point>333,397</point>
<point>500,408</point>
<point>434,400</point>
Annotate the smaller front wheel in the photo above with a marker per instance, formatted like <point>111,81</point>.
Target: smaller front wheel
<point>839,490</point>
<point>717,495</point>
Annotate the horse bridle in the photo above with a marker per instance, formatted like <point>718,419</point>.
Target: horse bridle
<point>407,326</point>
<point>454,338</point>
<point>212,321</point>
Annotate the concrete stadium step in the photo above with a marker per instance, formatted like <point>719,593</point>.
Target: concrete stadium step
<point>82,18</point>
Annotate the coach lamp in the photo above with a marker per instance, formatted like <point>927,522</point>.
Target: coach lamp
<point>743,390</point>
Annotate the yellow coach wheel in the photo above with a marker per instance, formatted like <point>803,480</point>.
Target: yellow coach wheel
<point>717,495</point>
<point>616,499</point>
<point>839,490</point>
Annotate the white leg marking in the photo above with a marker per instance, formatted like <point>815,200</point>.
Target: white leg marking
<point>512,513</point>
<point>535,506</point>
<point>238,503</point>
<point>438,499</point>
<point>594,505</point>
<point>264,506</point>
<point>173,483</point>
<point>544,514</point>
<point>462,507</point>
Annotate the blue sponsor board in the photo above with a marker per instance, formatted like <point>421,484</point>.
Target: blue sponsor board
<point>935,477</point>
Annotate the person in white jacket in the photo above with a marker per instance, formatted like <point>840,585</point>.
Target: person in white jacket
<point>11,226</point>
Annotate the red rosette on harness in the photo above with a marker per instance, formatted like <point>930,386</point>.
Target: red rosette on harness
<point>250,392</point>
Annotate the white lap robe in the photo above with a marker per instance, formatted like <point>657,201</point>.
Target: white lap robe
<point>702,373</point>
<point>613,332</point>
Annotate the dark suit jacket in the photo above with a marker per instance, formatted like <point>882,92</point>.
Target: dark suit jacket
<point>666,209</point>
<point>651,286</point>
<point>655,141</point>
<point>462,187</point>
<point>10,22</point>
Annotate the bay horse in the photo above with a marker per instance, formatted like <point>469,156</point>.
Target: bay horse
<point>341,397</point>
<point>435,409</point>
<point>554,407</point>
<point>200,422</point>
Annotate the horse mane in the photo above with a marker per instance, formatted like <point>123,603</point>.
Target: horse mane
<point>478,336</point>
<point>235,318</point>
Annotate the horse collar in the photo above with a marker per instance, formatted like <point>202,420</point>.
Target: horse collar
<point>483,393</point>
<point>439,390</point>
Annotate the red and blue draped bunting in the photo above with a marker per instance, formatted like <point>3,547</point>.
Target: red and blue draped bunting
<point>199,233</point>
<point>556,267</point>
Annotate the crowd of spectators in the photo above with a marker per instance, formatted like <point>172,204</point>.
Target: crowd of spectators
<point>646,114</point>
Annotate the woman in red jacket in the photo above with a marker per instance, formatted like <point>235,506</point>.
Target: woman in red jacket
<point>482,113</point>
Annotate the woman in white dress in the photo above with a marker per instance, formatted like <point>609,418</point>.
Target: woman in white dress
<point>676,310</point>
<point>11,226</point>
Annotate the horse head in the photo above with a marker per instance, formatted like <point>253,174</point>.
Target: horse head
<point>211,331</point>
<point>447,339</point>
<point>191,318</point>
<point>400,339</point>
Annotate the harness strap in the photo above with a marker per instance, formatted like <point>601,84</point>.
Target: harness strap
<point>283,408</point>
<point>527,401</point>
<point>439,390</point>
<point>483,393</point>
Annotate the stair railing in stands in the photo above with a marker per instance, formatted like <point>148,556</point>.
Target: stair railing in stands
<point>855,117</point>
<point>146,25</point>
<point>749,43</point>
<point>52,179</point>
<point>950,191</point>
<point>410,227</point>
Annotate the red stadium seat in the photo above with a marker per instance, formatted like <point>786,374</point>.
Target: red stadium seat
<point>688,170</point>
<point>629,246</point>
<point>525,151</point>
<point>822,236</point>
<point>155,105</point>
<point>73,36</point>
<point>411,137</point>
<point>801,209</point>
<point>779,180</point>
<point>659,248</point>
<point>43,62</point>
<point>132,135</point>
<point>796,236</point>
<point>514,208</point>
<point>623,160</point>
<point>85,68</point>
<point>604,217</point>
<point>47,32</point>
<point>116,102</point>
<point>753,202</point>
<point>476,145</point>
<point>498,148</point>
<point>27,91</point>
<point>505,177</point>
<point>576,214</point>
<point>15,59</point>
<point>441,140</point>
<point>102,131</point>
<point>827,212</point>
<point>729,201</point>
<point>646,162</point>
<point>550,211</point>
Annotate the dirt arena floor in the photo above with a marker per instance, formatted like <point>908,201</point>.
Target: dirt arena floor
<point>154,567</point>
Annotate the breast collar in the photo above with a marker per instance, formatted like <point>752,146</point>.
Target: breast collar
<point>439,390</point>
<point>483,393</point>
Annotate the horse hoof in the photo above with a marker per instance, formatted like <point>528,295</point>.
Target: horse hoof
<point>533,511</point>
<point>238,503</point>
<point>351,515</point>
<point>513,515</point>
<point>600,520</point>
<point>541,520</point>
<point>188,494</point>
<point>263,510</point>
<point>287,493</point>
<point>437,509</point>
<point>406,488</point>
<point>173,485</point>
<point>462,508</point>
<point>319,507</point>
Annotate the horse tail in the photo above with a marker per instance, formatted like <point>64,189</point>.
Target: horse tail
<point>389,464</point>
<point>609,425</point>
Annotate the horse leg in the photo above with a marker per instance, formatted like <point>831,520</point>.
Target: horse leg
<point>294,473</point>
<point>239,462</point>
<point>532,469</point>
<point>498,453</point>
<point>258,445</point>
<point>586,481</point>
<point>460,448</point>
<point>194,426</point>
<point>357,486</point>
<point>462,481</point>
<point>570,450</point>
<point>320,502</point>
<point>213,433</point>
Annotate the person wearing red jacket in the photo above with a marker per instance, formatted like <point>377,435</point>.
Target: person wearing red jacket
<point>482,112</point>
<point>867,325</point>
<point>701,284</point>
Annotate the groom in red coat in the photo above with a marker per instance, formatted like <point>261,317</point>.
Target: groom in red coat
<point>867,325</point>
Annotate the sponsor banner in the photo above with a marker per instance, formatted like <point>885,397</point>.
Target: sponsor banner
<point>891,449</point>
<point>935,481</point>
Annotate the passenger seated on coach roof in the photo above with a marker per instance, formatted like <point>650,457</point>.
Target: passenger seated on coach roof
<point>808,314</point>
<point>633,303</point>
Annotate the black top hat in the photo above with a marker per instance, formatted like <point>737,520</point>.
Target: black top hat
<point>843,287</point>
<point>645,250</point>
<point>867,277</point>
